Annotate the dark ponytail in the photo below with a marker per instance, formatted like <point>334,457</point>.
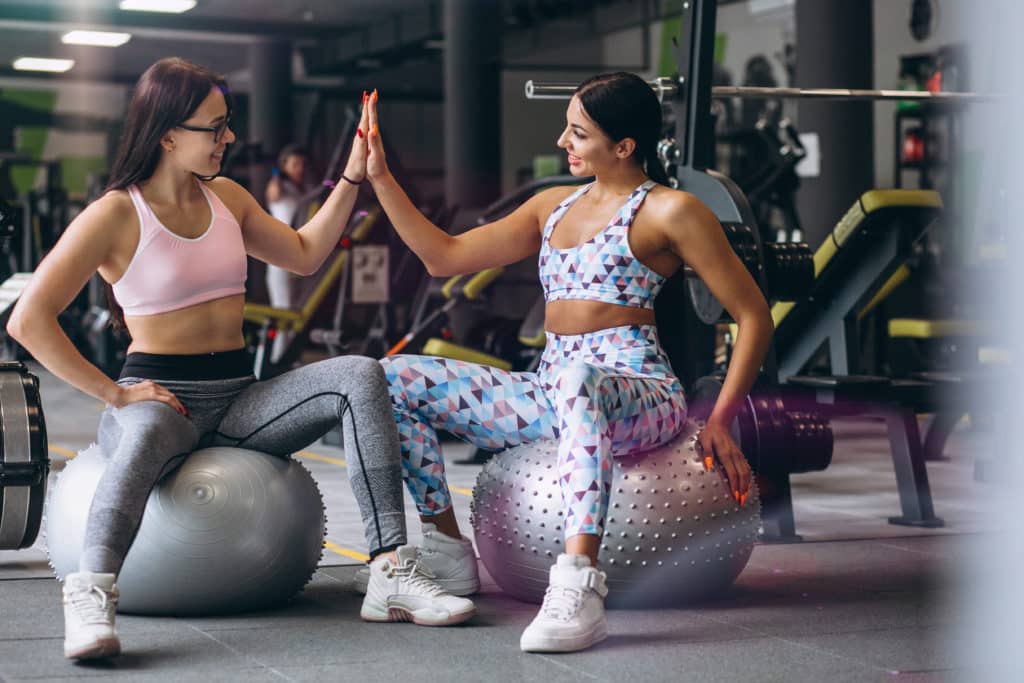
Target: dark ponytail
<point>167,94</point>
<point>625,106</point>
<point>653,167</point>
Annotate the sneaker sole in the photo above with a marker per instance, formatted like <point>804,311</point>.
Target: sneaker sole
<point>568,644</point>
<point>420,617</point>
<point>458,588</point>
<point>105,647</point>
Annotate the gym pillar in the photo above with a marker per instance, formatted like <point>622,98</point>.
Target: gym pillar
<point>472,113</point>
<point>270,101</point>
<point>835,50</point>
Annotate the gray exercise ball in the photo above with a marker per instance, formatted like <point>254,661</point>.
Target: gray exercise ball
<point>673,534</point>
<point>229,530</point>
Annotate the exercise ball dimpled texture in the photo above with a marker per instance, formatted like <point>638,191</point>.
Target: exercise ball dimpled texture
<point>229,530</point>
<point>674,533</point>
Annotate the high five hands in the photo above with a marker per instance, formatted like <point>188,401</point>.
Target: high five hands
<point>366,159</point>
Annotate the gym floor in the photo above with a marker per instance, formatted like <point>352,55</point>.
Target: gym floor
<point>857,600</point>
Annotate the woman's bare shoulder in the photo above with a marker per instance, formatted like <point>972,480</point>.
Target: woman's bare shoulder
<point>547,200</point>
<point>673,205</point>
<point>233,195</point>
<point>115,207</point>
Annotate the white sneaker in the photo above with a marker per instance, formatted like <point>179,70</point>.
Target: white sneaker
<point>405,591</point>
<point>572,616</point>
<point>451,561</point>
<point>89,604</point>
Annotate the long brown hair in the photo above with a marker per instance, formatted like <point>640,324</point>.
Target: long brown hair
<point>167,94</point>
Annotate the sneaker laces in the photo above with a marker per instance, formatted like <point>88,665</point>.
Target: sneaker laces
<point>561,602</point>
<point>91,605</point>
<point>418,577</point>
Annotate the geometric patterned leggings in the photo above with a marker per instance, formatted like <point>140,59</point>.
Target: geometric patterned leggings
<point>601,394</point>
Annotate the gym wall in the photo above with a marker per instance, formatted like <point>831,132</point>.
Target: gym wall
<point>80,152</point>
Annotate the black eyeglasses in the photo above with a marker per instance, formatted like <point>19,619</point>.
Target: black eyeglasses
<point>218,130</point>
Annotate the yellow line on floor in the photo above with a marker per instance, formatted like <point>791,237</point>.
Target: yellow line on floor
<point>355,555</point>
<point>321,458</point>
<point>465,492</point>
<point>63,452</point>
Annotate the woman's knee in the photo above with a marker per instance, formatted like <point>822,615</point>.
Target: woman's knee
<point>366,375</point>
<point>404,377</point>
<point>351,376</point>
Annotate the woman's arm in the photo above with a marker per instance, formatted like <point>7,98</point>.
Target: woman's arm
<point>500,243</point>
<point>270,240</point>
<point>304,250</point>
<point>697,237</point>
<point>85,246</point>
<point>505,241</point>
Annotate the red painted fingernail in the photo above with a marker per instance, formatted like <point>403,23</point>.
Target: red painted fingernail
<point>359,132</point>
<point>707,462</point>
<point>743,499</point>
<point>364,97</point>
<point>375,131</point>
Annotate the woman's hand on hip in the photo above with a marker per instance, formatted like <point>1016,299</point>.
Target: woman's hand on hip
<point>147,391</point>
<point>716,440</point>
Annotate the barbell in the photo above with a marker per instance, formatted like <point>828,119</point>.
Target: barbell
<point>667,88</point>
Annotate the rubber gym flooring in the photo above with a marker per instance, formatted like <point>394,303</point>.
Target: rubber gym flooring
<point>857,600</point>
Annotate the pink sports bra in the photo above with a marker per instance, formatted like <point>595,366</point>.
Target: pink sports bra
<point>169,272</point>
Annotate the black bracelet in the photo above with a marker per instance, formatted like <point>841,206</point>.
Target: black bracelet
<point>349,180</point>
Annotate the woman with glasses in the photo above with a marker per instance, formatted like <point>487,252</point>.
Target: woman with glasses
<point>172,239</point>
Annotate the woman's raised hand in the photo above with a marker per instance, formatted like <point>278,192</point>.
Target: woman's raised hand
<point>376,164</point>
<point>355,169</point>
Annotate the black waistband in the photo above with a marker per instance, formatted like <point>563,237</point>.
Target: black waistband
<point>185,367</point>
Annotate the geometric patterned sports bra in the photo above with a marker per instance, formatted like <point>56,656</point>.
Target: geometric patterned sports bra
<point>603,268</point>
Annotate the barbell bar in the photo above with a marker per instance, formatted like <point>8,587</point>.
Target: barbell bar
<point>666,88</point>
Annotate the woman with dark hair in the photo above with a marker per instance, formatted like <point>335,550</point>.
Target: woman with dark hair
<point>604,386</point>
<point>172,238</point>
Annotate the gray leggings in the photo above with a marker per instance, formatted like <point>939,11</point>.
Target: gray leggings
<point>142,441</point>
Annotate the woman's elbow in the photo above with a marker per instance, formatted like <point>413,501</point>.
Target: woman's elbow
<point>440,268</point>
<point>758,317</point>
<point>14,328</point>
<point>18,327</point>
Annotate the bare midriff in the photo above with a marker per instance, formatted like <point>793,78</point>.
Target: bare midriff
<point>579,317</point>
<point>204,328</point>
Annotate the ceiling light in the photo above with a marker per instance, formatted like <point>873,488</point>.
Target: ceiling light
<point>96,38</point>
<point>43,64</point>
<point>169,6</point>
